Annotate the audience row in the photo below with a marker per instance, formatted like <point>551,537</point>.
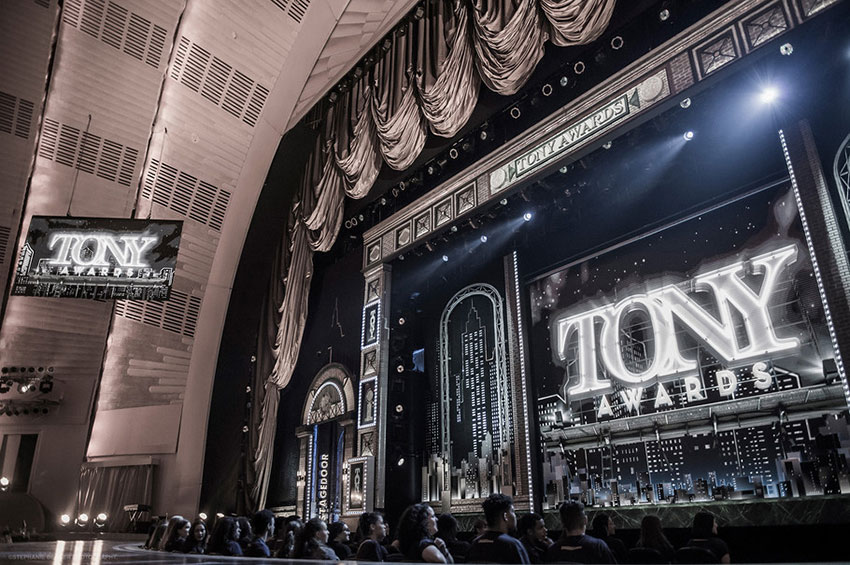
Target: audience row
<point>424,537</point>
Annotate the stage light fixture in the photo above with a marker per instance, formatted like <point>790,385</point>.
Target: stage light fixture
<point>579,67</point>
<point>685,103</point>
<point>399,408</point>
<point>607,145</point>
<point>503,201</point>
<point>453,154</point>
<point>4,483</point>
<point>82,520</point>
<point>688,135</point>
<point>400,461</point>
<point>564,81</point>
<point>769,94</point>
<point>483,135</point>
<point>445,258</point>
<point>664,15</point>
<point>64,520</point>
<point>100,520</point>
<point>483,239</point>
<point>245,429</point>
<point>219,514</point>
<point>401,257</point>
<point>383,201</point>
<point>203,516</point>
<point>617,42</point>
<point>527,216</point>
<point>786,49</point>
<point>401,321</point>
<point>546,90</point>
<point>399,368</point>
<point>515,112</point>
<point>24,388</point>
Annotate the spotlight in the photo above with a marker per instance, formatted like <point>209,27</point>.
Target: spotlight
<point>383,201</point>
<point>564,81</point>
<point>4,483</point>
<point>616,42</point>
<point>100,520</point>
<point>401,257</point>
<point>664,15</point>
<point>64,519</point>
<point>786,49</point>
<point>245,429</point>
<point>453,153</point>
<point>82,520</point>
<point>399,408</point>
<point>685,103</point>
<point>527,216</point>
<point>769,94</point>
<point>203,516</point>
<point>401,321</point>
<point>483,135</point>
<point>400,461</point>
<point>563,170</point>
<point>219,514</point>
<point>515,112</point>
<point>483,239</point>
<point>24,388</point>
<point>688,135</point>
<point>503,201</point>
<point>606,145</point>
<point>578,68</point>
<point>399,368</point>
<point>547,89</point>
<point>445,258</point>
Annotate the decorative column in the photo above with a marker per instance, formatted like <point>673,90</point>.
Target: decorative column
<point>823,236</point>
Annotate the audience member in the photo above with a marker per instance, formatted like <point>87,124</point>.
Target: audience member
<point>447,531</point>
<point>534,536</point>
<point>197,540</point>
<point>262,526</point>
<point>312,542</point>
<point>372,531</point>
<point>417,530</point>
<point>704,535</point>
<point>603,528</point>
<point>178,529</point>
<point>495,545</point>
<point>480,526</point>
<point>155,534</point>
<point>340,535</point>
<point>225,537</point>
<point>289,533</point>
<point>246,535</point>
<point>573,545</point>
<point>652,537</point>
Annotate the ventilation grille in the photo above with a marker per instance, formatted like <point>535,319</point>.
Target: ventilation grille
<point>118,27</point>
<point>218,82</point>
<point>87,152</point>
<point>4,242</point>
<point>15,115</point>
<point>185,194</point>
<point>295,9</point>
<point>178,314</point>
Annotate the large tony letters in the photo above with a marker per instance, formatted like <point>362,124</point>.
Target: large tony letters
<point>664,307</point>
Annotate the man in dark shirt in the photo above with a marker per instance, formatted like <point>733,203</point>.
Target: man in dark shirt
<point>573,545</point>
<point>262,523</point>
<point>495,545</point>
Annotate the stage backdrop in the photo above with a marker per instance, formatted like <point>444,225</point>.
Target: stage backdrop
<point>692,363</point>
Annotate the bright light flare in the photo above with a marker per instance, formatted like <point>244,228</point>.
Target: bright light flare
<point>688,135</point>
<point>769,95</point>
<point>527,216</point>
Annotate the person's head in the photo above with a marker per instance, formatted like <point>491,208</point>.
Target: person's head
<point>480,526</point>
<point>705,525</point>
<point>652,534</point>
<point>417,522</point>
<point>226,529</point>
<point>573,518</point>
<point>262,524</point>
<point>602,526</point>
<point>371,525</point>
<point>447,527</point>
<point>339,532</point>
<point>245,531</point>
<point>532,527</point>
<point>199,530</point>
<point>314,532</point>
<point>499,512</point>
<point>175,525</point>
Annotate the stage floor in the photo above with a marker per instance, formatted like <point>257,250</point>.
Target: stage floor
<point>111,552</point>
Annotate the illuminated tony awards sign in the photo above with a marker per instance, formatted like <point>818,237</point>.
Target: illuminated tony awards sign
<point>98,258</point>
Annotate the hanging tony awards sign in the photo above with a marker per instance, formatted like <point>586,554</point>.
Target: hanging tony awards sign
<point>98,258</point>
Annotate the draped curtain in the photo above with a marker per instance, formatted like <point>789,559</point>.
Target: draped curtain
<point>109,489</point>
<point>427,81</point>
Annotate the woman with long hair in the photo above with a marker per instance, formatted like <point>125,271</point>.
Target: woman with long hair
<point>290,533</point>
<point>178,529</point>
<point>417,536</point>
<point>246,533</point>
<point>603,528</point>
<point>652,537</point>
<point>704,535</point>
<point>225,538</point>
<point>312,543</point>
<point>197,540</point>
<point>371,530</point>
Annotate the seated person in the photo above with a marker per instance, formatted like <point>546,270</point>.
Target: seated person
<point>339,535</point>
<point>262,525</point>
<point>495,545</point>
<point>197,540</point>
<point>603,528</point>
<point>312,542</point>
<point>447,531</point>
<point>652,537</point>
<point>704,535</point>
<point>225,538</point>
<point>573,545</point>
<point>372,531</point>
<point>417,536</point>
<point>534,536</point>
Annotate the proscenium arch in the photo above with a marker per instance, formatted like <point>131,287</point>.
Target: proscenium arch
<point>495,298</point>
<point>332,374</point>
